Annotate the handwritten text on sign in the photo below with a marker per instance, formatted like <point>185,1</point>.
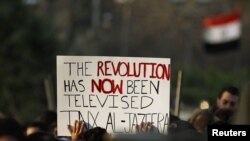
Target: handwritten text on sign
<point>115,93</point>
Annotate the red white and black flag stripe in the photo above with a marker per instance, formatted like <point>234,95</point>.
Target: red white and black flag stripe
<point>222,32</point>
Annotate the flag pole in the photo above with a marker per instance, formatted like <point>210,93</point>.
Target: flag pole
<point>49,93</point>
<point>177,96</point>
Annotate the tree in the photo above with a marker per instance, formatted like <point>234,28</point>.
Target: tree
<point>27,56</point>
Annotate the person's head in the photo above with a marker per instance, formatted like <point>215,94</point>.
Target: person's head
<point>41,136</point>
<point>96,134</point>
<point>10,130</point>
<point>48,117</point>
<point>201,119</point>
<point>228,98</point>
<point>34,127</point>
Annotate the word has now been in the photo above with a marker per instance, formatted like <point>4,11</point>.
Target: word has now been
<point>123,69</point>
<point>131,86</point>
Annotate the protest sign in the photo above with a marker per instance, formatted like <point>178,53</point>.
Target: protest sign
<point>115,93</point>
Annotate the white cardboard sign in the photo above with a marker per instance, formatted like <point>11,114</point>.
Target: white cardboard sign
<point>115,93</point>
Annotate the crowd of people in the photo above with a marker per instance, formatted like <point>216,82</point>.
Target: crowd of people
<point>228,109</point>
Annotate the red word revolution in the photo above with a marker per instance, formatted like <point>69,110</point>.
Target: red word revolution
<point>132,69</point>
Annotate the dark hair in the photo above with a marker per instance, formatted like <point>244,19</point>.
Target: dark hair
<point>231,89</point>
<point>10,127</point>
<point>41,136</point>
<point>48,117</point>
<point>41,126</point>
<point>95,134</point>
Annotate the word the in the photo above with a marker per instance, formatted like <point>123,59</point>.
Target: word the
<point>78,68</point>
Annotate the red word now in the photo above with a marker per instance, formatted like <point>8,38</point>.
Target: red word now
<point>106,86</point>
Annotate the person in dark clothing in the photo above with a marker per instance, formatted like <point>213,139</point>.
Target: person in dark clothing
<point>34,127</point>
<point>96,134</point>
<point>10,130</point>
<point>79,132</point>
<point>48,118</point>
<point>41,136</point>
<point>226,103</point>
<point>201,119</point>
<point>227,98</point>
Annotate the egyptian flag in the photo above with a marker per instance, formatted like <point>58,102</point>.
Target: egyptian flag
<point>222,32</point>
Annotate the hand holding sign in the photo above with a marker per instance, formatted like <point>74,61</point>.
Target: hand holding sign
<point>76,130</point>
<point>146,127</point>
<point>143,127</point>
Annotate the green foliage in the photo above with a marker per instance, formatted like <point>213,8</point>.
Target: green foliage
<point>27,56</point>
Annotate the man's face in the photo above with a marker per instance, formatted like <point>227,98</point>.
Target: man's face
<point>227,101</point>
